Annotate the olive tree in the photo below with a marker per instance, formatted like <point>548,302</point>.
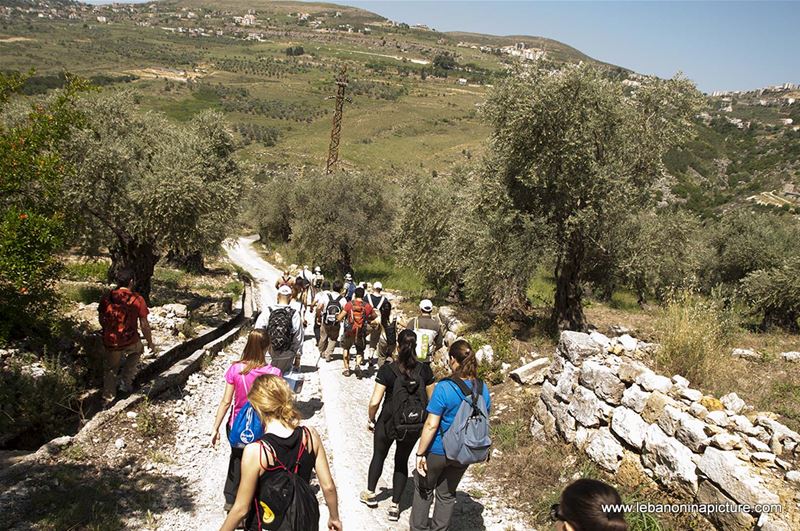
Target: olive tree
<point>774,294</point>
<point>573,148</point>
<point>144,185</point>
<point>338,218</point>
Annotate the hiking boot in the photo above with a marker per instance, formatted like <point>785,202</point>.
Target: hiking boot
<point>359,373</point>
<point>394,512</point>
<point>368,499</point>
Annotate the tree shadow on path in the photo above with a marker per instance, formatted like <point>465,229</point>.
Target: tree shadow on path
<point>80,495</point>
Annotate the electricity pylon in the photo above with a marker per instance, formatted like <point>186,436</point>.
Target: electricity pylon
<point>336,132</point>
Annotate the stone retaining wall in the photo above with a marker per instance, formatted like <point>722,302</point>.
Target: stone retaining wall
<point>702,449</point>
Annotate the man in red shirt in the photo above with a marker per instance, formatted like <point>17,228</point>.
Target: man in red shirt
<point>121,312</point>
<point>358,317</point>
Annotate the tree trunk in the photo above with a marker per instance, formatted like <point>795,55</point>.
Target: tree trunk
<point>139,258</point>
<point>568,308</point>
<point>189,262</point>
<point>510,302</point>
<point>345,260</point>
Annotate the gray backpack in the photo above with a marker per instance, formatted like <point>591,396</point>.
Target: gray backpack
<point>467,439</point>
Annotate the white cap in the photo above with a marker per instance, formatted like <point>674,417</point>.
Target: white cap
<point>348,276</point>
<point>286,289</point>
<point>426,305</point>
<point>377,285</point>
<point>318,269</point>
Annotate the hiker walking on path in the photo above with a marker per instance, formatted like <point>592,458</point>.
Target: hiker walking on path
<point>358,318</point>
<point>405,387</point>
<point>276,470</point>
<point>383,338</point>
<point>329,309</point>
<point>121,312</point>
<point>318,278</point>
<point>458,412</point>
<point>429,330</point>
<point>581,508</point>
<point>239,379</point>
<point>349,286</point>
<point>285,328</point>
<point>285,279</point>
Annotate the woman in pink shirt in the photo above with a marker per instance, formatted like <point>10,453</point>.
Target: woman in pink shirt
<point>239,379</point>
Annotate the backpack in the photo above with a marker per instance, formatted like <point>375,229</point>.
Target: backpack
<point>467,439</point>
<point>332,310</point>
<point>426,341</point>
<point>356,323</point>
<point>408,404</point>
<point>280,328</point>
<point>285,494</point>
<point>246,427</point>
<point>116,315</point>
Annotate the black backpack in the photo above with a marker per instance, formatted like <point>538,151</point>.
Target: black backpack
<point>284,501</point>
<point>332,310</point>
<point>280,328</point>
<point>408,403</point>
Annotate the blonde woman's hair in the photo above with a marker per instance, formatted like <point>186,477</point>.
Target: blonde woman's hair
<point>272,399</point>
<point>253,354</point>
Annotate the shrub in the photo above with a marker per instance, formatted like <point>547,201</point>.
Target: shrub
<point>694,333</point>
<point>774,294</point>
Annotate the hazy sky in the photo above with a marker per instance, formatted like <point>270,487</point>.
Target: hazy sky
<point>720,45</point>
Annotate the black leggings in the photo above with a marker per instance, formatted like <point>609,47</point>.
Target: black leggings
<point>380,449</point>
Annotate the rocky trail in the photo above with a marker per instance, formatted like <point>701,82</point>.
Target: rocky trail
<point>151,466</point>
<point>336,406</point>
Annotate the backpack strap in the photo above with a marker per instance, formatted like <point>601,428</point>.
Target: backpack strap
<point>474,393</point>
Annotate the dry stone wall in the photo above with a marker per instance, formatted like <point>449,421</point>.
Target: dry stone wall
<point>705,450</point>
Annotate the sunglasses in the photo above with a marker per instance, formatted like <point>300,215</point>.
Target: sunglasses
<point>555,516</point>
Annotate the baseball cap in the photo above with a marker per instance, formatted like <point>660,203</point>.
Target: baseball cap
<point>426,305</point>
<point>348,276</point>
<point>377,285</point>
<point>285,290</point>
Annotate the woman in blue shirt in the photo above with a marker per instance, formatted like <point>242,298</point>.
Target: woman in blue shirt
<point>434,472</point>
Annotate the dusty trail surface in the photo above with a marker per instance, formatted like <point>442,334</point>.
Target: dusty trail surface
<point>336,406</point>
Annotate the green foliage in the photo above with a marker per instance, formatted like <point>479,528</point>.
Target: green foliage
<point>87,270</point>
<point>32,222</point>
<point>694,333</point>
<point>144,186</point>
<point>295,50</point>
<point>445,61</point>
<point>774,294</point>
<point>36,399</point>
<point>500,337</point>
<point>394,276</point>
<point>743,242</point>
<point>599,154</point>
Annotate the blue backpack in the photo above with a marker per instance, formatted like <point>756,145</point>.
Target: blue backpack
<point>247,425</point>
<point>467,439</point>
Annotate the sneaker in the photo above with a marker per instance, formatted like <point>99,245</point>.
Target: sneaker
<point>368,499</point>
<point>394,512</point>
<point>359,373</point>
<point>346,372</point>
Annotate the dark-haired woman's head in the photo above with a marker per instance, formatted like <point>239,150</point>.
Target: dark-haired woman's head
<point>407,349</point>
<point>589,505</point>
<point>462,360</point>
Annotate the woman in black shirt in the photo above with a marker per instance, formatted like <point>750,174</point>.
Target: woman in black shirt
<point>414,373</point>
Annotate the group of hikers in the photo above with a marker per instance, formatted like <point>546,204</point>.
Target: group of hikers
<point>272,455</point>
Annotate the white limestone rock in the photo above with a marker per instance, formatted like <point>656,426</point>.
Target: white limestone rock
<point>605,450</point>
<point>650,381</point>
<point>726,441</point>
<point>698,410</point>
<point>602,380</point>
<point>635,398</point>
<point>567,380</point>
<point>670,461</point>
<point>718,418</point>
<point>745,353</point>
<point>791,357</point>
<point>600,339</point>
<point>588,409</point>
<point>576,346</point>
<point>736,478</point>
<point>629,426</point>
<point>733,403</point>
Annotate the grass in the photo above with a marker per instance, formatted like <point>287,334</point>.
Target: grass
<point>87,271</point>
<point>150,423</point>
<point>394,277</point>
<point>170,278</point>
<point>84,293</point>
<point>542,287</point>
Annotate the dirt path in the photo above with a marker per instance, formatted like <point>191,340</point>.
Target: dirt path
<point>335,406</point>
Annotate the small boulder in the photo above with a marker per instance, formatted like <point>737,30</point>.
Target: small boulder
<point>791,357</point>
<point>119,443</point>
<point>628,343</point>
<point>485,353</point>
<point>745,353</point>
<point>733,403</point>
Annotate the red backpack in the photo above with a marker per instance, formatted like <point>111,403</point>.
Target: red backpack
<point>119,316</point>
<point>356,319</point>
